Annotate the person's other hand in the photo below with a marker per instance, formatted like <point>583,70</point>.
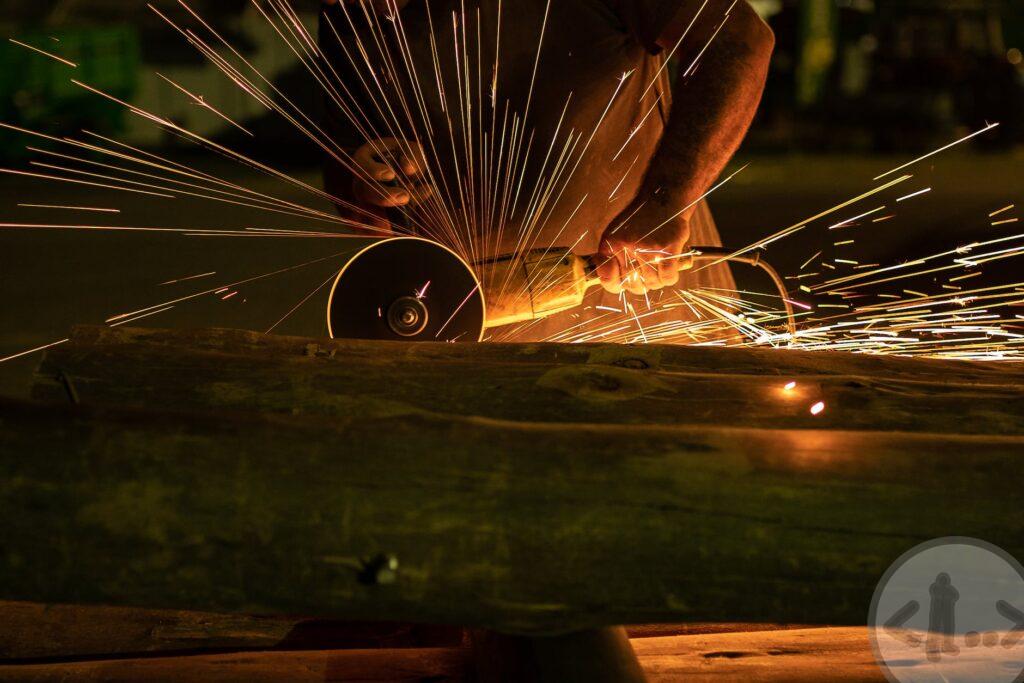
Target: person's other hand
<point>640,251</point>
<point>382,163</point>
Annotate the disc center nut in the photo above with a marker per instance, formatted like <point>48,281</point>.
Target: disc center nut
<point>407,316</point>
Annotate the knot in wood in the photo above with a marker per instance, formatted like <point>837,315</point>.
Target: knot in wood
<point>602,381</point>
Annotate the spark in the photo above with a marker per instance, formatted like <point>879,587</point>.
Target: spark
<point>1005,222</point>
<point>306,298</point>
<point>72,208</point>
<point>35,350</point>
<point>140,317</point>
<point>938,151</point>
<point>201,101</point>
<point>914,194</point>
<point>611,195</point>
<point>808,261</point>
<point>44,53</point>
<point>696,60</point>
<point>190,277</point>
<point>848,221</point>
<point>796,227</point>
<point>183,231</point>
<point>640,327</point>
<point>995,213</point>
<point>456,311</point>
<point>799,304</point>
<point>790,386</point>
<point>672,52</point>
<point>84,182</point>
<point>224,288</point>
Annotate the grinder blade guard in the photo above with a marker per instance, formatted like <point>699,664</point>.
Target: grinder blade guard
<point>406,289</point>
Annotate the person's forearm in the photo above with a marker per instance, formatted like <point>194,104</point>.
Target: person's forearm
<point>713,106</point>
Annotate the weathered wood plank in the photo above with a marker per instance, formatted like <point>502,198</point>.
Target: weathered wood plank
<point>842,655</point>
<point>518,527</point>
<point>670,357</point>
<point>33,631</point>
<point>813,655</point>
<point>394,666</point>
<point>599,384</point>
<point>37,631</point>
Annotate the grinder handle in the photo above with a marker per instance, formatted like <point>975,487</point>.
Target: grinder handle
<point>594,261</point>
<point>538,284</point>
<point>718,255</point>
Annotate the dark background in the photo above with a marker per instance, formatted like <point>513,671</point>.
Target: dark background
<point>856,88</point>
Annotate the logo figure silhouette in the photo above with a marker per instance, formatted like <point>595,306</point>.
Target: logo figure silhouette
<point>942,617</point>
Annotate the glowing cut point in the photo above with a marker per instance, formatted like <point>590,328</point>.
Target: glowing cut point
<point>817,408</point>
<point>790,387</point>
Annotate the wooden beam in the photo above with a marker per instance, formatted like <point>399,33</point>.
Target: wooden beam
<point>833,654</point>
<point>520,527</point>
<point>536,383</point>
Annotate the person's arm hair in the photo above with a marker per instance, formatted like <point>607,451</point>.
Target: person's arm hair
<point>713,106</point>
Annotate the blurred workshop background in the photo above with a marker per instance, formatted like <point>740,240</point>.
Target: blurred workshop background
<point>856,87</point>
<point>864,76</point>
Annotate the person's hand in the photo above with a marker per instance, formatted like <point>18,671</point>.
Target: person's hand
<point>642,251</point>
<point>392,173</point>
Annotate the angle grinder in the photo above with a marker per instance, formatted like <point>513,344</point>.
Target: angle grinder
<point>414,289</point>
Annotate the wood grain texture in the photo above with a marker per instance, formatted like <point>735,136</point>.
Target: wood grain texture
<point>811,656</point>
<point>34,632</point>
<point>38,632</point>
<point>599,384</point>
<point>521,527</point>
<point>394,666</point>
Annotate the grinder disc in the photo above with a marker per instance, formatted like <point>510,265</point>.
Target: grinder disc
<point>406,289</point>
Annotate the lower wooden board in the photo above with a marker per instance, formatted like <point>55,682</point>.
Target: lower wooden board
<point>790,656</point>
<point>37,633</point>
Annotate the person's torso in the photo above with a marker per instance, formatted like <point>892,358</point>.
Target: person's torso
<point>594,101</point>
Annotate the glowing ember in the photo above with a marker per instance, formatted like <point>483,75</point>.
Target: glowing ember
<point>818,408</point>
